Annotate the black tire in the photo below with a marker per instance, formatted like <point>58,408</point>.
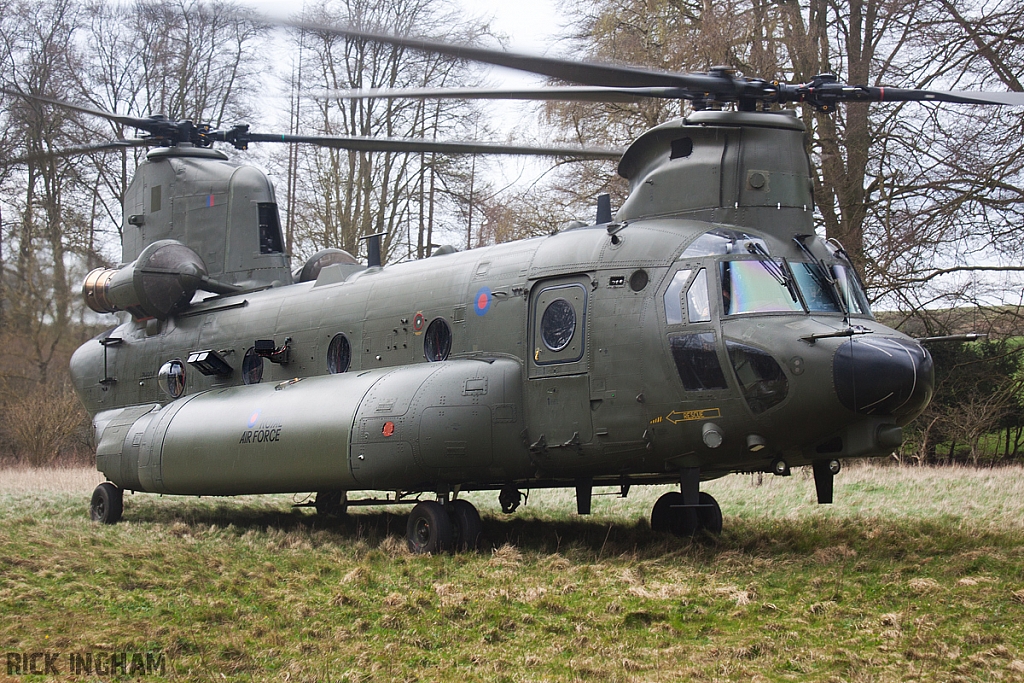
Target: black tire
<point>429,529</point>
<point>330,503</point>
<point>710,518</point>
<point>669,515</point>
<point>664,517</point>
<point>107,504</point>
<point>466,526</point>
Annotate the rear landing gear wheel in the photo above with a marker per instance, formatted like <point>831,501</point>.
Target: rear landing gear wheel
<point>107,504</point>
<point>466,525</point>
<point>429,529</point>
<point>330,503</point>
<point>670,515</point>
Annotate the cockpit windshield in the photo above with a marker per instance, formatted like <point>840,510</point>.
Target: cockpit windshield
<point>757,286</point>
<point>770,286</point>
<point>818,293</point>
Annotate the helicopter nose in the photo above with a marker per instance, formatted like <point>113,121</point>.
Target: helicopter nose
<point>884,376</point>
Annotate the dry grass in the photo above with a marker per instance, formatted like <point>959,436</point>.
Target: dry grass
<point>913,575</point>
<point>48,480</point>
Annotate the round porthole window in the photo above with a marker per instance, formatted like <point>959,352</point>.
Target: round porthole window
<point>252,367</point>
<point>437,340</point>
<point>339,355</point>
<point>172,378</point>
<point>558,325</point>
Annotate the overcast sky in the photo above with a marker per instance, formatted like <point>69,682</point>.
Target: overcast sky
<point>529,26</point>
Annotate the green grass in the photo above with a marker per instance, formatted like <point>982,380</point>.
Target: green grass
<point>913,575</point>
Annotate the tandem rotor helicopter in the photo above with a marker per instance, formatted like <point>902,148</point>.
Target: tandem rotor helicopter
<point>701,329</point>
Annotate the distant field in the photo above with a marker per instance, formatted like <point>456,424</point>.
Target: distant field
<point>913,575</point>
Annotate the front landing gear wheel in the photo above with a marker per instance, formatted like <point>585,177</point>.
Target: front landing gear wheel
<point>107,504</point>
<point>466,525</point>
<point>664,514</point>
<point>670,515</point>
<point>709,515</point>
<point>429,529</point>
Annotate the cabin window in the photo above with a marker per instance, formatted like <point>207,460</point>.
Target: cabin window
<point>339,355</point>
<point>761,379</point>
<point>558,328</point>
<point>437,340</point>
<point>697,361</point>
<point>270,229</point>
<point>252,367</point>
<point>172,378</point>
<point>558,325</point>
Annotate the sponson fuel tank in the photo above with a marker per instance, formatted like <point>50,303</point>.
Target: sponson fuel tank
<point>411,427</point>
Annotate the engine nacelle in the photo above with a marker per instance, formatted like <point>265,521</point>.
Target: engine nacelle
<point>163,279</point>
<point>410,428</point>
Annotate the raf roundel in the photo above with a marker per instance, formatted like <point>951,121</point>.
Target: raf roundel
<point>254,418</point>
<point>483,301</point>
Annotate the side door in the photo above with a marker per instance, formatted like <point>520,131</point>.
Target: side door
<point>558,385</point>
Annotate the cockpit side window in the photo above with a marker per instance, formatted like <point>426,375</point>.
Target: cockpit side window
<point>696,361</point>
<point>673,297</point>
<point>698,303</point>
<point>849,287</point>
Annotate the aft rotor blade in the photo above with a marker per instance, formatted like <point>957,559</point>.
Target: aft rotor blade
<point>132,121</point>
<point>575,71</point>
<point>361,144</point>
<point>568,93</point>
<point>85,149</point>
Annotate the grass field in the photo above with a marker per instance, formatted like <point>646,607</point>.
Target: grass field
<point>913,575</point>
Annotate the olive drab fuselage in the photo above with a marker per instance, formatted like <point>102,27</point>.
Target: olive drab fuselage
<point>693,332</point>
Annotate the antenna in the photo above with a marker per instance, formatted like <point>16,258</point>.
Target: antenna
<point>373,248</point>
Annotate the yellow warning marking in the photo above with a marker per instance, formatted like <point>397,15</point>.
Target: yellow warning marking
<point>677,416</point>
<point>657,420</point>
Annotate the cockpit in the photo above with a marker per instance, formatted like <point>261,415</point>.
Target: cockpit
<point>742,320</point>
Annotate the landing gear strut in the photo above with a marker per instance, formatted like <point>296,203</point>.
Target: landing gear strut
<point>107,503</point>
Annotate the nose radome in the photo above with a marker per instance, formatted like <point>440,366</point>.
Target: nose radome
<point>884,376</point>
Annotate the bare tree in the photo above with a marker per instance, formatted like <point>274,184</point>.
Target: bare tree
<point>345,195</point>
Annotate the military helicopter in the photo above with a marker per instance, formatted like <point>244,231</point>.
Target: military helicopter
<point>701,329</point>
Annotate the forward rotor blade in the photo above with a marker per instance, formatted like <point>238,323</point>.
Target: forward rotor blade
<point>824,92</point>
<point>586,73</point>
<point>361,144</point>
<point>961,96</point>
<point>569,93</point>
<point>132,121</point>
